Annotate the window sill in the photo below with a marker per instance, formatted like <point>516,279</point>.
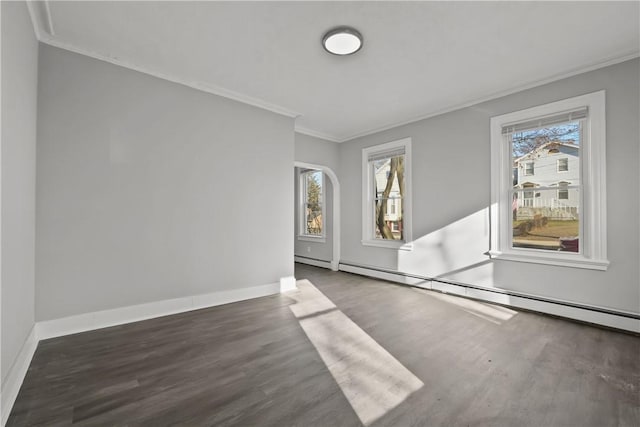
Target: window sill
<point>319,239</point>
<point>389,244</point>
<point>561,259</point>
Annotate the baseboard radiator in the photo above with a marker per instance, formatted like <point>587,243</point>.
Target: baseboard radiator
<point>625,321</point>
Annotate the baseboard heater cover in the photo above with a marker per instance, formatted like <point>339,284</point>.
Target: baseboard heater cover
<point>591,314</point>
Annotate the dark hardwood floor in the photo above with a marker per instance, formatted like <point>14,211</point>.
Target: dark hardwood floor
<point>252,364</point>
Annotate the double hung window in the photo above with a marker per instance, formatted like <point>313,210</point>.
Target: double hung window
<point>548,184</point>
<point>386,204</point>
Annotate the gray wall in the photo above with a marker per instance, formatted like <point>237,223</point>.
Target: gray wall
<point>321,152</point>
<point>451,194</point>
<point>148,190</point>
<point>19,99</point>
<point>318,151</point>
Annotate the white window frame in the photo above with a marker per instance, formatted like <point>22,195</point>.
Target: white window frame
<point>368,199</point>
<point>533,168</point>
<point>566,159</point>
<point>593,235</point>
<point>302,219</point>
<point>562,186</point>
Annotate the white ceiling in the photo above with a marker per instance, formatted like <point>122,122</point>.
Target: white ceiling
<point>418,59</point>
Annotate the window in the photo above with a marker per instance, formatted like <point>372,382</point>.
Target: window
<point>386,199</point>
<point>562,165</point>
<point>528,168</point>
<point>561,222</point>
<point>563,191</point>
<point>527,195</point>
<point>312,204</point>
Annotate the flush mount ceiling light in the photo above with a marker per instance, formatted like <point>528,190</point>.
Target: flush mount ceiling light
<point>342,41</point>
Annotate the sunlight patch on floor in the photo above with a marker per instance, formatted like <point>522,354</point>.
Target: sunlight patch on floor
<point>493,313</point>
<point>372,380</point>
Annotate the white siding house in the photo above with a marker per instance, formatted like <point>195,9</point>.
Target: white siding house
<point>545,176</point>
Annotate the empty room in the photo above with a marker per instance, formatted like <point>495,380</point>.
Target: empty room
<point>320,213</point>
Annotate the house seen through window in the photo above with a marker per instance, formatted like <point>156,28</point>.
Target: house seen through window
<point>546,204</point>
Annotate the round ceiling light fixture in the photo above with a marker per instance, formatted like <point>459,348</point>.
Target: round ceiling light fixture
<point>342,41</point>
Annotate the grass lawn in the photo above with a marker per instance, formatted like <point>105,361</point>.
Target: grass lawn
<point>551,232</point>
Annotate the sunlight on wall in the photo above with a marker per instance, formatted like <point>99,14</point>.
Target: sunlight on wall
<point>454,247</point>
<point>372,380</point>
<point>493,313</point>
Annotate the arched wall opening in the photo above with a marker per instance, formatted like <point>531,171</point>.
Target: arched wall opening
<point>335,212</point>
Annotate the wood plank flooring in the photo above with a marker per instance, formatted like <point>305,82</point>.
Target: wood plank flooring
<point>251,364</point>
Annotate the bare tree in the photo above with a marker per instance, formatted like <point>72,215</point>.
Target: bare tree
<point>314,208</point>
<point>396,171</point>
<point>528,141</point>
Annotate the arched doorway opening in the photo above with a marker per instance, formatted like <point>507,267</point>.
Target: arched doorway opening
<point>335,210</point>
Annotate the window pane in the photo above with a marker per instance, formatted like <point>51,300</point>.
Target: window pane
<point>393,221</point>
<point>389,186</point>
<point>546,220</point>
<point>528,168</point>
<point>563,165</point>
<point>313,203</point>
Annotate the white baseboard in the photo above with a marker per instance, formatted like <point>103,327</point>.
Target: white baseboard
<point>288,284</point>
<point>118,316</point>
<point>17,372</point>
<point>596,315</point>
<point>314,262</point>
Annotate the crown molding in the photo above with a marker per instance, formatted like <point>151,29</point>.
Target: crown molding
<point>34,14</point>
<point>204,87</point>
<point>40,14</point>
<point>47,15</point>
<point>320,135</point>
<point>43,27</point>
